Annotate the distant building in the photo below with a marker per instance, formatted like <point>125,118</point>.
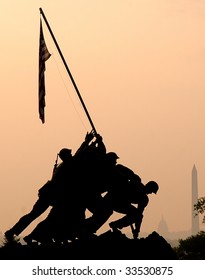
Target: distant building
<point>163,228</point>
<point>176,236</point>
<point>195,219</point>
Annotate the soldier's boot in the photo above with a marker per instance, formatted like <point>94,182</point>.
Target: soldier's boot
<point>28,239</point>
<point>9,235</point>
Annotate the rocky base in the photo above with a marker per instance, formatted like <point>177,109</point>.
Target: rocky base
<point>108,246</point>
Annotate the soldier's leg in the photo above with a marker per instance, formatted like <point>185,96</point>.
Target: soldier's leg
<point>41,233</point>
<point>137,224</point>
<point>130,212</point>
<point>101,209</point>
<point>39,208</point>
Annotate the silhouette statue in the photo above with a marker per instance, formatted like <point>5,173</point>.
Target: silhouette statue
<point>67,215</point>
<point>90,179</point>
<point>46,197</point>
<point>124,188</point>
<point>122,202</point>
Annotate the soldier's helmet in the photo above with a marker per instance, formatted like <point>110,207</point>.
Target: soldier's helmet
<point>152,186</point>
<point>112,155</point>
<point>65,154</point>
<point>111,158</point>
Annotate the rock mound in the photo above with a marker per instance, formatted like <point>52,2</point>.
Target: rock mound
<point>108,246</point>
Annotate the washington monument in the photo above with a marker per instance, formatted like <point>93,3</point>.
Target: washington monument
<point>195,219</point>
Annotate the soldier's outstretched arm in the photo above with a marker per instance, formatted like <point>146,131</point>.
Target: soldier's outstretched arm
<point>101,146</point>
<point>85,144</point>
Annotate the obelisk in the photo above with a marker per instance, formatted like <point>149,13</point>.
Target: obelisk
<point>195,219</point>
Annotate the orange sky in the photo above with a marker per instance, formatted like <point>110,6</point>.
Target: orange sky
<point>140,67</point>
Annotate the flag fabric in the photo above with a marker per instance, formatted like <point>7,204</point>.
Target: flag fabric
<point>43,56</point>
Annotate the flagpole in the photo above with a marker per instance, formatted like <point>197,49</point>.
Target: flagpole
<point>69,73</point>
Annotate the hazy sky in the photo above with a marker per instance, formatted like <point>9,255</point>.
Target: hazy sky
<point>140,68</point>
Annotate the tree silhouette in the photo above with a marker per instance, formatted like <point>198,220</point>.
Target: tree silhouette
<point>199,207</point>
<point>192,248</point>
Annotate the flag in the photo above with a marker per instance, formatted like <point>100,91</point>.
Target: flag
<point>43,56</point>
